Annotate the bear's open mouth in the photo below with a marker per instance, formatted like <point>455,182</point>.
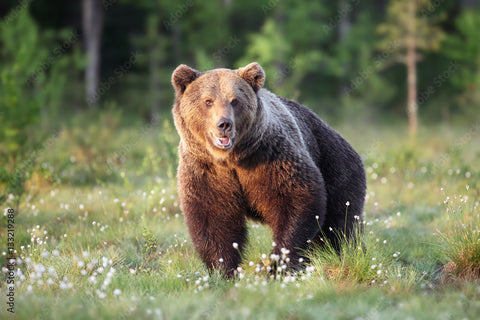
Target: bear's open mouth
<point>223,142</point>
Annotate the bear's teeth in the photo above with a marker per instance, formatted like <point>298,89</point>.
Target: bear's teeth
<point>224,141</point>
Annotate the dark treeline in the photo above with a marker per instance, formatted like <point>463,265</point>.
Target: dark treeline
<point>341,58</point>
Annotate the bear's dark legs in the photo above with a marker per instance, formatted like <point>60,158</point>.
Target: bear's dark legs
<point>342,224</point>
<point>219,236</point>
<point>293,236</point>
<point>214,213</point>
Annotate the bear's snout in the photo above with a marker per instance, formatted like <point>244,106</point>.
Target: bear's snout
<point>225,134</point>
<point>225,126</point>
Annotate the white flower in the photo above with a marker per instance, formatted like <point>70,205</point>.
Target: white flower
<point>347,203</point>
<point>100,294</point>
<point>235,245</point>
<point>117,292</point>
<point>51,271</point>
<point>309,269</point>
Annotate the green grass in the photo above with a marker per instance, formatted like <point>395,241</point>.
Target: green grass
<point>100,235</point>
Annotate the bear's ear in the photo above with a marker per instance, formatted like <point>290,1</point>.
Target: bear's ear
<point>182,77</point>
<point>253,74</point>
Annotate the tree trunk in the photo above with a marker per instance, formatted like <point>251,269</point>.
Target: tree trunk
<point>92,32</point>
<point>344,25</point>
<point>411,63</point>
<point>281,68</point>
<point>155,55</point>
<point>412,91</point>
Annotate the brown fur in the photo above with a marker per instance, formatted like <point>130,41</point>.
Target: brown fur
<point>245,152</point>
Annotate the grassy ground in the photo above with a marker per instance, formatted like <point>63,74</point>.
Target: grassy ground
<point>99,234</point>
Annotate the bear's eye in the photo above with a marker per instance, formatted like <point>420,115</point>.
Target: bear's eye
<point>234,102</point>
<point>208,102</point>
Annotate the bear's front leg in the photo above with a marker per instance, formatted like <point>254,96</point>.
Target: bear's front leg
<point>215,217</point>
<point>291,197</point>
<point>293,231</point>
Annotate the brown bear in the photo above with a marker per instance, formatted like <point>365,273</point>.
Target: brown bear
<point>247,153</point>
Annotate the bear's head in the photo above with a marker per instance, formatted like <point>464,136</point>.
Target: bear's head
<point>218,107</point>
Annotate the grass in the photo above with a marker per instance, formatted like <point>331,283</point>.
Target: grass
<point>99,234</point>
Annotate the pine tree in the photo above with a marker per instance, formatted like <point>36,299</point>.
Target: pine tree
<point>411,28</point>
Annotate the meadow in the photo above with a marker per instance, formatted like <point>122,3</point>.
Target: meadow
<point>99,233</point>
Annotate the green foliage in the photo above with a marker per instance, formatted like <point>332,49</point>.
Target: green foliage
<point>325,54</point>
<point>33,78</point>
<point>361,67</point>
<point>285,45</point>
<point>149,249</point>
<point>19,59</point>
<point>370,260</point>
<point>420,29</point>
<point>461,240</point>
<point>463,48</point>
<point>32,82</point>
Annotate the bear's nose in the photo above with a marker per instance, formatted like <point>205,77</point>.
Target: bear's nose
<point>225,125</point>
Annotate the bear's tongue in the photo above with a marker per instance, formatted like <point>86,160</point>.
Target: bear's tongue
<point>224,141</point>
